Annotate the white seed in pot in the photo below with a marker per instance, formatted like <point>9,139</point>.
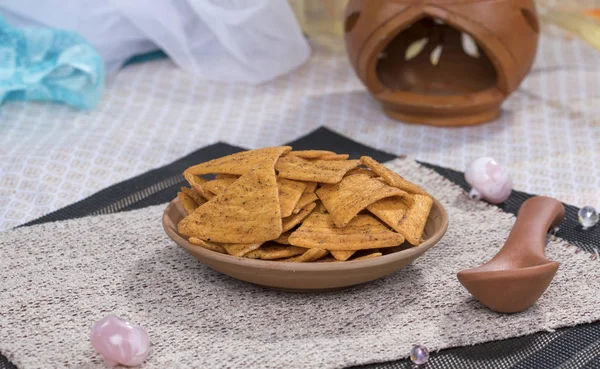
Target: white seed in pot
<point>469,45</point>
<point>415,48</point>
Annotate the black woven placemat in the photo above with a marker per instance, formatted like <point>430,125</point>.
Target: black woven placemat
<point>574,347</point>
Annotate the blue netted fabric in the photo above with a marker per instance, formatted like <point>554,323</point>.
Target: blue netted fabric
<point>49,65</point>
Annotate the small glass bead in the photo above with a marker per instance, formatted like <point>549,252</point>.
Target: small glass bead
<point>419,354</point>
<point>588,217</point>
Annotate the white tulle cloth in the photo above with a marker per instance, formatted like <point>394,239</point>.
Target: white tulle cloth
<point>249,41</point>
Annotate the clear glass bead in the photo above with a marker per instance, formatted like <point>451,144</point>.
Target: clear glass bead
<point>588,217</point>
<point>419,354</point>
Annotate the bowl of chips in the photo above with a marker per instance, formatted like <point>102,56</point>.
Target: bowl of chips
<point>308,220</point>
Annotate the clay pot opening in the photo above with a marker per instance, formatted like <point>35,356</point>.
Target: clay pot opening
<point>431,57</point>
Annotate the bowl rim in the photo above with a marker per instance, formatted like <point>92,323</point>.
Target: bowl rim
<point>271,265</point>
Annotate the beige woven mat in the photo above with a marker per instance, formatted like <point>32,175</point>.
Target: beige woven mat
<point>59,278</point>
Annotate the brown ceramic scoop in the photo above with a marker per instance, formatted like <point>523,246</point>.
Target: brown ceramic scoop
<point>518,275</point>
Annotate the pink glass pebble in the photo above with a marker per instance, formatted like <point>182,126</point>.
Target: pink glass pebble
<point>489,180</point>
<point>120,342</point>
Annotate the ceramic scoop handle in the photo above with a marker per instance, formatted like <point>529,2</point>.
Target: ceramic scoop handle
<point>520,272</point>
<point>527,240</point>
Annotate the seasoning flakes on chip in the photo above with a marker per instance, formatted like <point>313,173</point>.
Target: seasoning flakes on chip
<point>309,255</point>
<point>363,232</point>
<point>292,221</point>
<point>305,199</point>
<point>345,199</point>
<point>207,245</point>
<point>196,182</point>
<point>289,193</point>
<point>218,185</point>
<point>342,255</point>
<point>197,197</point>
<point>246,212</point>
<point>311,154</point>
<point>391,177</point>
<point>324,171</point>
<point>240,249</point>
<point>406,219</point>
<point>275,251</point>
<point>241,162</point>
<point>189,205</point>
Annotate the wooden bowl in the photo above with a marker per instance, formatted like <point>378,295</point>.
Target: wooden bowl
<point>307,277</point>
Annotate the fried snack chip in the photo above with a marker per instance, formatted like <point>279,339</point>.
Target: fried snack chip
<point>189,205</point>
<point>310,187</point>
<point>366,171</point>
<point>241,162</point>
<point>327,259</point>
<point>289,194</point>
<point>246,212</point>
<point>309,255</point>
<point>320,208</point>
<point>283,239</point>
<point>240,249</point>
<point>344,200</point>
<point>292,221</point>
<point>194,195</point>
<point>196,183</point>
<point>335,157</point>
<point>301,206</point>
<point>310,154</point>
<point>391,177</point>
<point>273,251</point>
<point>217,186</point>
<point>407,219</point>
<point>325,171</point>
<point>207,245</point>
<point>318,154</point>
<point>342,255</point>
<point>362,232</point>
<point>305,199</point>
<point>224,176</point>
<point>369,256</point>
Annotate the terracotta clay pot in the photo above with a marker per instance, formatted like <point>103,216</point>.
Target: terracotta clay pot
<point>461,88</point>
